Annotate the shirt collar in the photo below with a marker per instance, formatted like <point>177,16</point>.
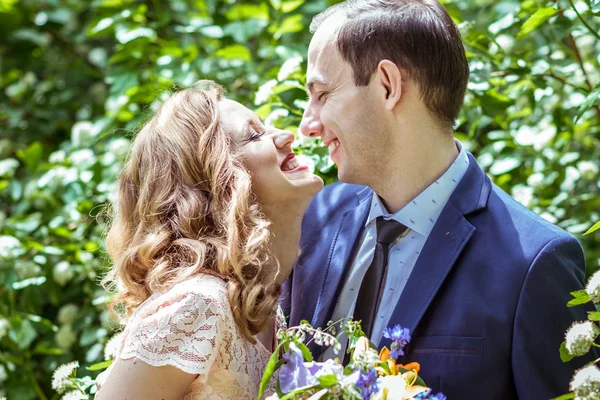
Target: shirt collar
<point>421,214</point>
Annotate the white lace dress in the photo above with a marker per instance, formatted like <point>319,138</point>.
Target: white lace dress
<point>191,327</point>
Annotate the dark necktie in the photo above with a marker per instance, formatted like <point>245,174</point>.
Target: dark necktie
<point>371,288</point>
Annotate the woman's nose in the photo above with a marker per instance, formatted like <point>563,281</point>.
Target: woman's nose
<point>283,139</point>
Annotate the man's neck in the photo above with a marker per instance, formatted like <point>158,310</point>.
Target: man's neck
<point>411,177</point>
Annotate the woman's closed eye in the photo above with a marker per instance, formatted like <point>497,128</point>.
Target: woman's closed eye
<point>254,135</point>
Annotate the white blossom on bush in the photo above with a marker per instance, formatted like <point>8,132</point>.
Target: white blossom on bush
<point>65,337</point>
<point>264,92</point>
<point>588,169</point>
<point>74,395</point>
<point>63,273</point>
<point>83,159</point>
<point>112,346</point>
<point>62,374</point>
<point>290,66</point>
<point>67,313</point>
<point>82,133</point>
<point>3,374</point>
<point>28,270</point>
<point>4,325</point>
<point>8,167</point>
<point>10,247</point>
<point>586,383</point>
<point>593,287</point>
<point>580,336</point>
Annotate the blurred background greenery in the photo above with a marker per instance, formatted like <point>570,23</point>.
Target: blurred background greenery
<point>78,77</point>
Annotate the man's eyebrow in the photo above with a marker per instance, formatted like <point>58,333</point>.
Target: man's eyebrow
<point>313,81</point>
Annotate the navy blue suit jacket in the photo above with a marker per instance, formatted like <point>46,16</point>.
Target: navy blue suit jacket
<point>486,301</point>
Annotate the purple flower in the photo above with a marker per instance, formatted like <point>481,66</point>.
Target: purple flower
<point>367,383</point>
<point>400,337</point>
<point>426,395</point>
<point>294,373</point>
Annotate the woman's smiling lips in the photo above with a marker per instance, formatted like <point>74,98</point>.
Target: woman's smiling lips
<point>291,164</point>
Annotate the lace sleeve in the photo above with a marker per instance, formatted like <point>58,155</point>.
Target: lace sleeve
<point>183,327</point>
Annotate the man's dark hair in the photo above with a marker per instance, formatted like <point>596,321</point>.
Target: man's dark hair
<point>417,35</point>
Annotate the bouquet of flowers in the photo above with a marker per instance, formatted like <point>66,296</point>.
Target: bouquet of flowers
<point>370,373</point>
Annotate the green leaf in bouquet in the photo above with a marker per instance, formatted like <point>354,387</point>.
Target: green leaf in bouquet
<point>273,364</point>
<point>565,356</point>
<point>305,351</point>
<point>565,396</point>
<point>418,382</point>
<point>579,297</point>
<point>596,225</point>
<point>327,381</point>
<point>99,366</point>
<point>593,315</point>
<point>590,100</point>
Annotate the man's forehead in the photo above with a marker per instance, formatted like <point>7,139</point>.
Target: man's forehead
<point>326,35</point>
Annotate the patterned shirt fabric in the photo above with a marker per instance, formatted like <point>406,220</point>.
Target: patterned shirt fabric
<point>419,216</point>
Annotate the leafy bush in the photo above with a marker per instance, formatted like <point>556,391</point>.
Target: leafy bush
<point>77,78</point>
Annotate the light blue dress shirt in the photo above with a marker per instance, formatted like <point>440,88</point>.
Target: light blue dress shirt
<point>419,216</point>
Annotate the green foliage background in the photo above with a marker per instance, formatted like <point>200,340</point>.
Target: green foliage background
<point>78,77</point>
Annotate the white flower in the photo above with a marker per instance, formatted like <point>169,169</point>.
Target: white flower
<point>593,287</point>
<point>275,115</point>
<point>60,378</point>
<point>3,374</point>
<point>8,167</point>
<point>57,157</point>
<point>67,313</point>
<point>10,247</point>
<point>62,273</point>
<point>83,159</point>
<point>82,133</point>
<point>289,67</point>
<point>580,336</point>
<point>586,383</point>
<point>396,388</point>
<point>588,169</point>
<point>4,325</point>
<point>28,270</point>
<point>264,92</point>
<point>119,147</point>
<point>112,346</point>
<point>65,337</point>
<point>74,395</point>
<point>523,194</point>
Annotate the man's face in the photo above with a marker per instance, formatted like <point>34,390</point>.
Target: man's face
<point>345,116</point>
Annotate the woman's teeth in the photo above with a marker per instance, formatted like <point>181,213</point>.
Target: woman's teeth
<point>333,145</point>
<point>290,164</point>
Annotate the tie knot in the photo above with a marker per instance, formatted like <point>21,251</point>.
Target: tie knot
<point>388,230</point>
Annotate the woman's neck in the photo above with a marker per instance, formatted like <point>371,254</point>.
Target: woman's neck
<point>286,222</point>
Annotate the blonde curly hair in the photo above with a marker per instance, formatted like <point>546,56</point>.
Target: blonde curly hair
<point>185,206</point>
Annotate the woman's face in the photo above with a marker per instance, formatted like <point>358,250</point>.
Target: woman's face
<point>277,176</point>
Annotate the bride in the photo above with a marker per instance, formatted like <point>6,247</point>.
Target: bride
<point>206,227</point>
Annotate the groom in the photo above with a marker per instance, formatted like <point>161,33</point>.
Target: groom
<point>416,234</point>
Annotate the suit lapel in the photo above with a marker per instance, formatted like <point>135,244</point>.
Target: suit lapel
<point>446,241</point>
<point>342,247</point>
<point>339,260</point>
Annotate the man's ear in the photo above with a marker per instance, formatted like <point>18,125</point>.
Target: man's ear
<point>390,79</point>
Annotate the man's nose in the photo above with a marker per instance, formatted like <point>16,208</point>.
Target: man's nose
<point>283,139</point>
<point>311,124</point>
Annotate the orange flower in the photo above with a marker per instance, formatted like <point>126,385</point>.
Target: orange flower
<point>384,354</point>
<point>410,366</point>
